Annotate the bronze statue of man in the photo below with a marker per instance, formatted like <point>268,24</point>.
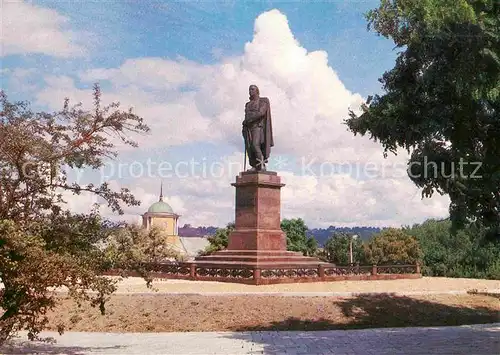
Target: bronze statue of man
<point>257,129</point>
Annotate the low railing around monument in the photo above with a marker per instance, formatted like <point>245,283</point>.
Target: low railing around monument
<point>282,274</point>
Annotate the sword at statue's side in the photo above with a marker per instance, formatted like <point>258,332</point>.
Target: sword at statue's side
<point>246,138</point>
<point>245,159</point>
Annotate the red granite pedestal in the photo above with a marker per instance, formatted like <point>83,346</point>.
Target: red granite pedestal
<point>257,243</point>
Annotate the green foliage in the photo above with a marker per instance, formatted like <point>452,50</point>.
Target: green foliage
<point>311,248</point>
<point>442,101</point>
<point>336,249</point>
<point>393,246</point>
<point>441,250</point>
<point>44,246</point>
<point>131,247</point>
<point>296,236</point>
<point>219,240</point>
<point>464,253</point>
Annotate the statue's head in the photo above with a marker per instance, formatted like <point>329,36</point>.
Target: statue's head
<point>253,91</point>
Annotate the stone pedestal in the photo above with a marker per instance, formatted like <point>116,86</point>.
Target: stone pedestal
<point>258,213</point>
<point>257,241</point>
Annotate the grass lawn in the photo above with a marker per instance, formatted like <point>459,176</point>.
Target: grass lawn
<point>183,313</point>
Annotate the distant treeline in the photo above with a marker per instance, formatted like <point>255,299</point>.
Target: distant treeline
<point>320,234</point>
<point>189,231</point>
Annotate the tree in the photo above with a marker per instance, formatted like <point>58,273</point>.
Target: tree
<point>130,246</point>
<point>467,253</point>
<point>296,236</point>
<point>441,250</point>
<point>337,249</point>
<point>219,240</point>
<point>442,101</point>
<point>43,245</point>
<point>311,248</point>
<point>393,246</point>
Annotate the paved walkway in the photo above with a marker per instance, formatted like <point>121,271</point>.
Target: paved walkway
<point>466,340</point>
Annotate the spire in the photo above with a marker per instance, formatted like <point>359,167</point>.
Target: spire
<point>161,191</point>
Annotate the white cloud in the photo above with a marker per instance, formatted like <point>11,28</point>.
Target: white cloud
<point>341,200</point>
<point>152,73</point>
<point>27,28</point>
<point>168,121</point>
<point>186,102</point>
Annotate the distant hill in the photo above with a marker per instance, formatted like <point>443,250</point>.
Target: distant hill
<point>189,231</point>
<point>320,234</point>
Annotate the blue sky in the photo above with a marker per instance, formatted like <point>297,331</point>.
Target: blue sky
<point>203,30</point>
<point>175,62</point>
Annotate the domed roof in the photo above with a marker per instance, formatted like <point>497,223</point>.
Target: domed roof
<point>160,207</point>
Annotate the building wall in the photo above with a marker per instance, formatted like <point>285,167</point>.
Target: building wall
<point>166,223</point>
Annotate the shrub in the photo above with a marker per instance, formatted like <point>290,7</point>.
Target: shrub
<point>393,246</point>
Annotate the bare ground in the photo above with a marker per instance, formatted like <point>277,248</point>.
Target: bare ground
<point>183,313</point>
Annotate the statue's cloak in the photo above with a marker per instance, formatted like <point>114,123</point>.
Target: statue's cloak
<point>268,130</point>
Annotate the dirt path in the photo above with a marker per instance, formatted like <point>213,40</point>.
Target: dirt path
<point>425,284</point>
